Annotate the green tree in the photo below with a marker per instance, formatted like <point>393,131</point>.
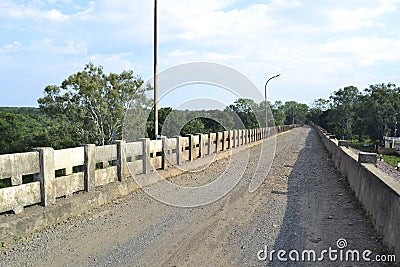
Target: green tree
<point>246,110</point>
<point>93,103</point>
<point>278,112</point>
<point>317,109</point>
<point>381,105</point>
<point>296,113</point>
<point>343,105</point>
<point>13,129</point>
<point>193,127</point>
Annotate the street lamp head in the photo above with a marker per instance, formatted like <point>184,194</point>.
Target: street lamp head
<point>276,76</point>
<point>266,108</point>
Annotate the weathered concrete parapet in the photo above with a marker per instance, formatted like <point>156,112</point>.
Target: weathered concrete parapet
<point>344,143</point>
<point>145,155</point>
<point>46,176</point>
<point>364,157</point>
<point>90,167</point>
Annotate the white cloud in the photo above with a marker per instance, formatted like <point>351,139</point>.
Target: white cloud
<point>189,21</point>
<point>286,3</point>
<point>69,48</point>
<point>54,15</point>
<point>366,51</point>
<point>12,47</point>
<point>29,12</point>
<point>366,15</point>
<point>315,45</point>
<point>113,62</point>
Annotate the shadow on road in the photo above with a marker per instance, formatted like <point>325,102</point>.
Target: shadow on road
<point>320,210</point>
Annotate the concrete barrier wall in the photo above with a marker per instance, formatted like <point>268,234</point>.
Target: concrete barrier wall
<point>379,193</point>
<point>61,173</point>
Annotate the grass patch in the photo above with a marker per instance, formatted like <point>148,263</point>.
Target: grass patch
<point>392,160</point>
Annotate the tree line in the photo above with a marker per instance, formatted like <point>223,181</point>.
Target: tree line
<point>90,107</point>
<point>359,115</point>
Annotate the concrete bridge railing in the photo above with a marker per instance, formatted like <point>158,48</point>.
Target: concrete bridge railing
<point>62,173</point>
<point>379,193</point>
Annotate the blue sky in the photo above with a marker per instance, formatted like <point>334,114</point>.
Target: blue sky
<point>317,46</point>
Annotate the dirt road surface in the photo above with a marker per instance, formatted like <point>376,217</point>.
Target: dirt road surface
<point>303,204</point>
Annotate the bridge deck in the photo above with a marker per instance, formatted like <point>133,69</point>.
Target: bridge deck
<point>303,204</point>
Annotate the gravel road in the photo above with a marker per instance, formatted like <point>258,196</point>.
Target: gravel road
<point>302,204</point>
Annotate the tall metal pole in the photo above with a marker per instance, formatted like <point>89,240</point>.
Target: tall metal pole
<point>265,95</point>
<point>155,74</point>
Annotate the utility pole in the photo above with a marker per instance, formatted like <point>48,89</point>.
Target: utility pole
<point>155,74</point>
<point>265,96</point>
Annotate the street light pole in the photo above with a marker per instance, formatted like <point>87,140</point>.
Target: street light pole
<point>155,73</point>
<point>265,95</point>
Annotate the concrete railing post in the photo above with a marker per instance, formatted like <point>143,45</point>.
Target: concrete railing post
<point>229,144</point>
<point>344,143</point>
<point>46,177</point>
<point>364,157</point>
<point>231,139</point>
<point>145,155</point>
<point>234,144</point>
<point>248,136</point>
<point>201,145</point>
<point>121,166</point>
<point>224,143</point>
<point>210,144</point>
<point>191,146</point>
<point>179,156</point>
<point>217,137</point>
<point>90,167</point>
<point>164,161</point>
